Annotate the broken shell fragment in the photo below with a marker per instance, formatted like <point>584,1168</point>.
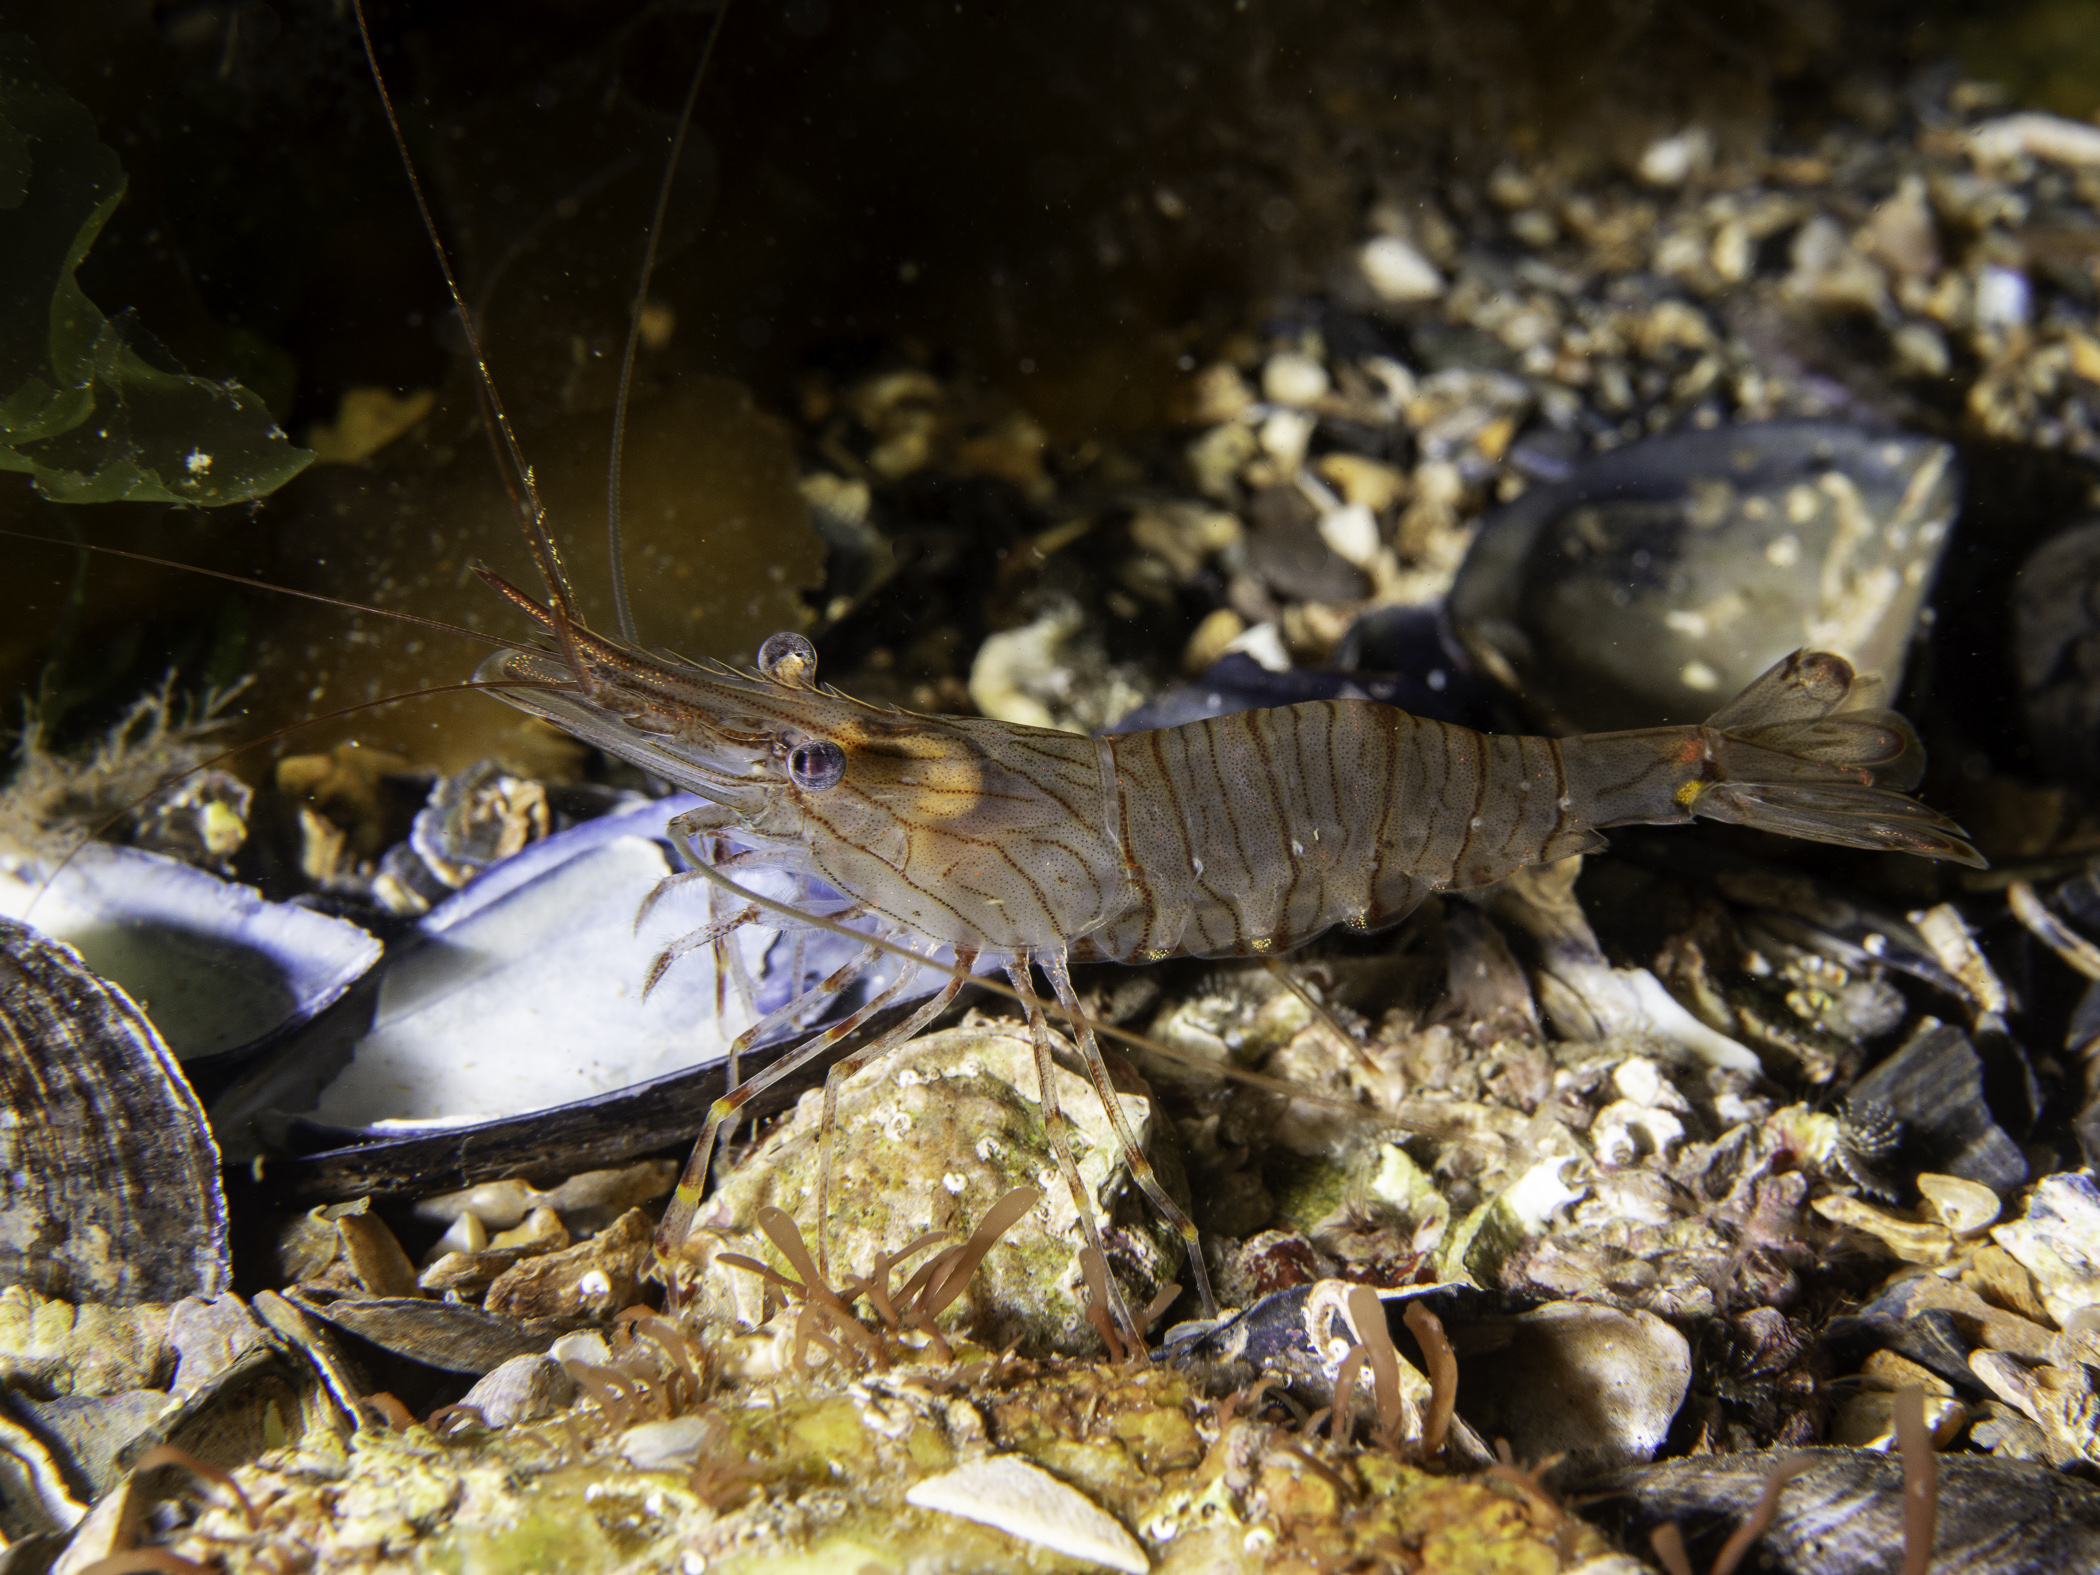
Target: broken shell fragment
<point>110,1191</point>
<point>1027,1502</point>
<point>1966,1208</point>
<point>579,1200</point>
<point>593,1279</point>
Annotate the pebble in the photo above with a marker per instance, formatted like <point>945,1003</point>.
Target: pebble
<point>1671,161</point>
<point>1352,532</point>
<point>1397,272</point>
<point>1293,378</point>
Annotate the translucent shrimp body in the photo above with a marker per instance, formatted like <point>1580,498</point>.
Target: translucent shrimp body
<point>1239,835</point>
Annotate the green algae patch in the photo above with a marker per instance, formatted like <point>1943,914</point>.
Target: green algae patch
<point>90,407</point>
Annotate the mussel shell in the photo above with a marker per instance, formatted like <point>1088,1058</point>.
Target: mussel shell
<point>109,1178</point>
<point>1662,577</point>
<point>1996,1517</point>
<point>224,973</point>
<point>450,1336</point>
<point>314,1163</point>
<point>1934,1087</point>
<point>2056,643</point>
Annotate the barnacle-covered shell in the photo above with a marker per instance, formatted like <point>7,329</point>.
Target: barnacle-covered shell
<point>929,1139</point>
<point>109,1178</point>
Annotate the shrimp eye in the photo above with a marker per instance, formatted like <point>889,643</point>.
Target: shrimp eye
<point>817,765</point>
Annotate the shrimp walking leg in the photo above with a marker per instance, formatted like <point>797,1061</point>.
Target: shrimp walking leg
<point>1059,973</point>
<point>1060,1131</point>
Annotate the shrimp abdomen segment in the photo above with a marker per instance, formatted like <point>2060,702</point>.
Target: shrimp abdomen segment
<point>1254,832</point>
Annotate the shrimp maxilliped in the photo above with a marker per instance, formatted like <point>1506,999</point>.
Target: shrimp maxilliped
<point>1240,835</point>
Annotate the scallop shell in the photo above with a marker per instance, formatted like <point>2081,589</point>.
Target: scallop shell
<point>109,1178</point>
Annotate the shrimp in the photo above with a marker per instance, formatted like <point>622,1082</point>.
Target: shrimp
<point>1243,835</point>
<point>1023,848</point>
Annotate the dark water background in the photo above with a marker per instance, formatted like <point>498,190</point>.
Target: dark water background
<point>1056,203</point>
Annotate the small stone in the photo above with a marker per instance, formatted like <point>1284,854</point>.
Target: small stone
<point>1212,639</point>
<point>1367,483</point>
<point>523,1389</point>
<point>1352,533</point>
<point>1216,393</point>
<point>2003,297</point>
<point>1902,231</point>
<point>1027,1502</point>
<point>1921,350</point>
<point>1671,161</point>
<point>1284,437</point>
<point>1397,272</point>
<point>1216,457</point>
<point>1293,379</point>
<point>2037,136</point>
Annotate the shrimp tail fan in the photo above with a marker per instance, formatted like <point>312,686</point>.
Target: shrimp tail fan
<point>1806,752</point>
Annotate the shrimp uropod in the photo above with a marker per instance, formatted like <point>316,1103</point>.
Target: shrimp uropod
<point>1021,848</point>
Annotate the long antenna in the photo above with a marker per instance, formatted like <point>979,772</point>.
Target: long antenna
<point>615,550</point>
<point>530,510</point>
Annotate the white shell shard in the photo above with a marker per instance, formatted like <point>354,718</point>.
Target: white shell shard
<point>1024,1501</point>
<point>669,1444</point>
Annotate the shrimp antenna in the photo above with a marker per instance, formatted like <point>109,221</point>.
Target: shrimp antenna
<point>531,512</point>
<point>615,550</point>
<point>275,590</point>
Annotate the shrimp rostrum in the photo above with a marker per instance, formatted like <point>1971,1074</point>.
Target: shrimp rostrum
<point>1240,835</point>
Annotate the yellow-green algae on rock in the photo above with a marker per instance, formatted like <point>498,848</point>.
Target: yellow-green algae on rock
<point>810,1478</point>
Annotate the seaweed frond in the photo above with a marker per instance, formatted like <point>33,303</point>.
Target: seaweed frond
<point>54,802</point>
<point>823,1321</point>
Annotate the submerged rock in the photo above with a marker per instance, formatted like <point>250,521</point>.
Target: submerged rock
<point>927,1140</point>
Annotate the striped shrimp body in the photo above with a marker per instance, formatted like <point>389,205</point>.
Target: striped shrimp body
<point>1240,835</point>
